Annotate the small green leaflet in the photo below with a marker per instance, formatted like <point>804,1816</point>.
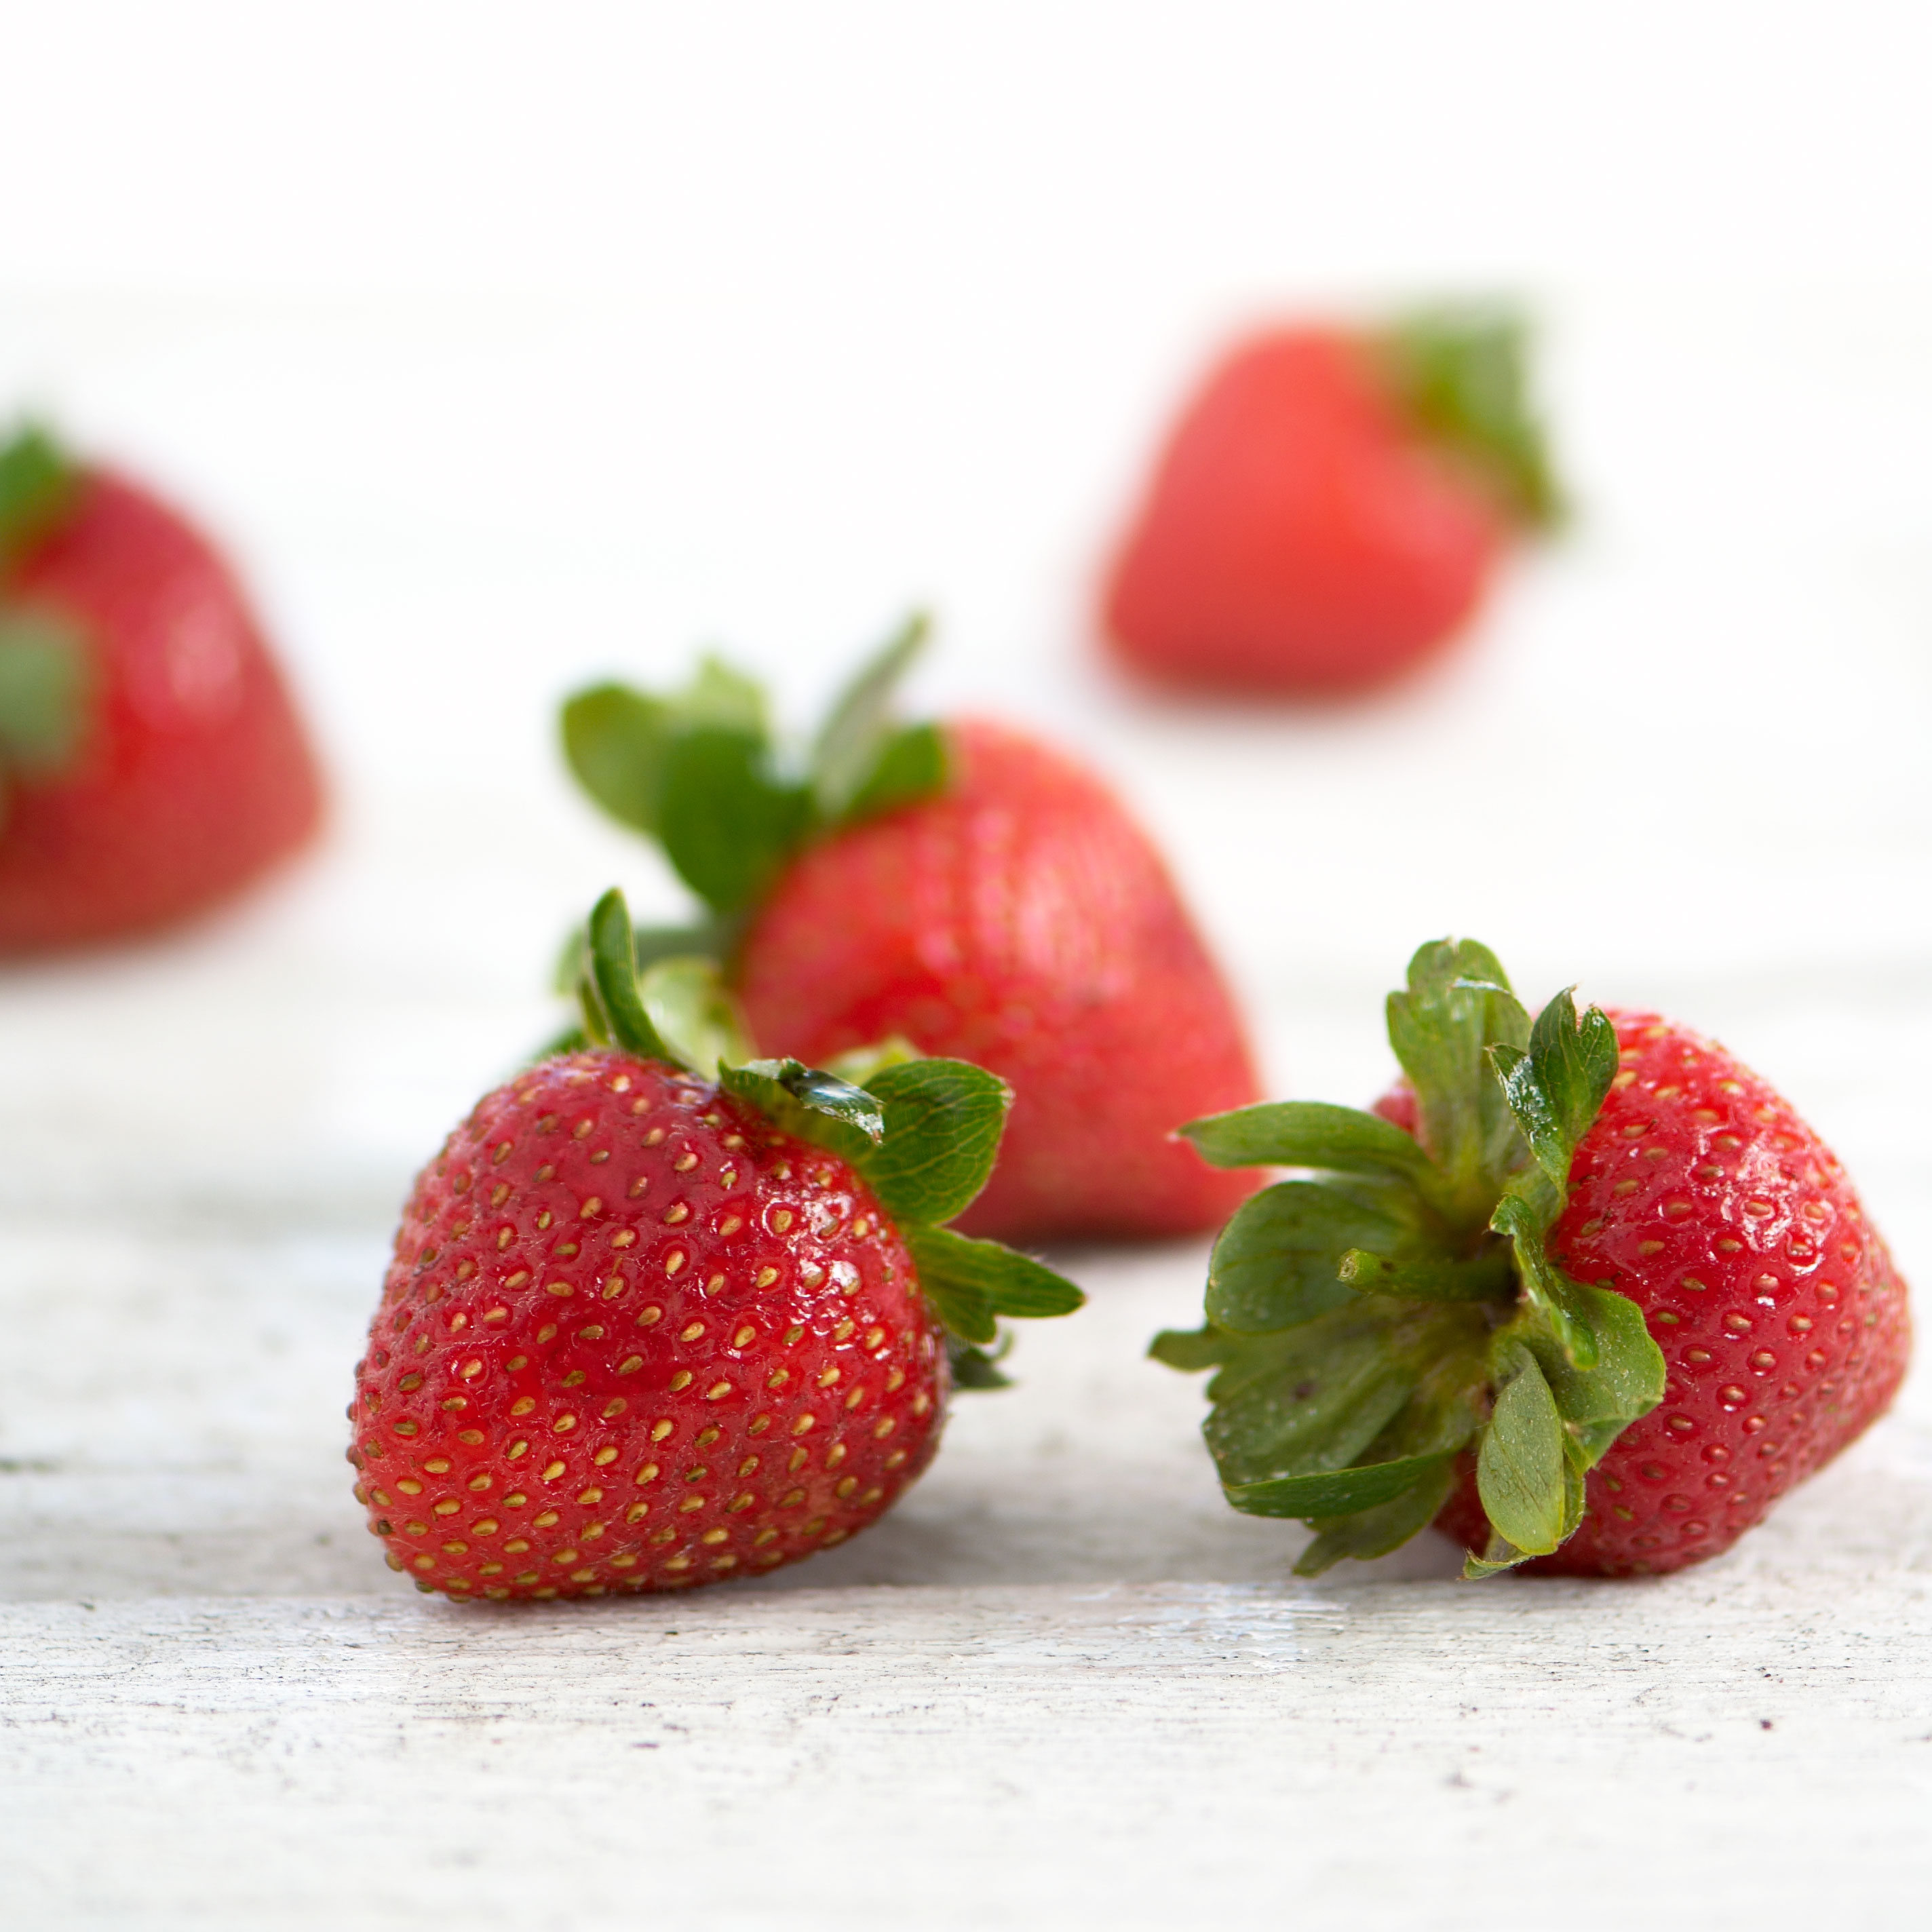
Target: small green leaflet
<point>816,1106</point>
<point>912,765</point>
<point>1520,1467</point>
<point>1277,1262</point>
<point>856,732</point>
<point>693,1012</point>
<point>1373,1529</point>
<point>613,1008</point>
<point>38,483</point>
<point>43,691</point>
<point>727,824</point>
<point>1340,1492</point>
<point>969,1282</point>
<point>614,740</point>
<point>944,1121</point>
<point>1307,1133</point>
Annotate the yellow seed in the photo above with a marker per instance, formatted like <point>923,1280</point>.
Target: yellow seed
<point>714,1536</point>
<point>522,1405</point>
<point>778,1379</point>
<point>593,1206</point>
<point>884,1428</point>
<point>799,1457</point>
<point>830,1376</point>
<point>852,1400</point>
<point>425,1562</point>
<point>745,1337</point>
<point>803,1424</point>
<point>764,1536</point>
<point>718,1391</point>
<point>479,1484</point>
<point>690,1331</point>
<point>563,1425</point>
<point>630,1365</point>
<point>637,1512</point>
<point>488,1526</point>
<point>835,1455</point>
<point>410,1486</point>
<point>766,1276</point>
<point>558,1287</point>
<point>516,1449</point>
<point>552,1470</point>
<point>846,1486</point>
<point>648,1473</point>
<point>674,1260</point>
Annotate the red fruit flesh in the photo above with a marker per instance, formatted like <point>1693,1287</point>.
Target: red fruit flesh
<point>193,775</point>
<point>1297,535</point>
<point>1701,1195</point>
<point>635,1337</point>
<point>1021,921</point>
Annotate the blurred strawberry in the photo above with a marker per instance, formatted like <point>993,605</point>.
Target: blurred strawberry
<point>964,888</point>
<point>1330,508</point>
<point>150,762</point>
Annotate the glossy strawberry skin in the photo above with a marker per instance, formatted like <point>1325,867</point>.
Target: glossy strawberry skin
<point>1298,535</point>
<point>193,775</point>
<point>1022,922</point>
<point>635,1338</point>
<point>1701,1195</point>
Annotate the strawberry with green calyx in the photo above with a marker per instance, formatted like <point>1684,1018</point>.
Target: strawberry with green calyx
<point>1331,505</point>
<point>962,888</point>
<point>1587,1295</point>
<point>151,762</point>
<point>646,1328</point>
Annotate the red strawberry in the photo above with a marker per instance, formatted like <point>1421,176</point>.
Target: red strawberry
<point>153,764</point>
<point>972,891</point>
<point>644,1330</point>
<point>1590,1295</point>
<point>1329,508</point>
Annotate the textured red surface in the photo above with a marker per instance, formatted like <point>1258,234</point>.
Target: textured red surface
<point>194,775</point>
<point>1700,1195</point>
<point>1296,535</point>
<point>1023,921</point>
<point>635,1338</point>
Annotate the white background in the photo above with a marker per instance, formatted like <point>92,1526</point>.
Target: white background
<point>510,346</point>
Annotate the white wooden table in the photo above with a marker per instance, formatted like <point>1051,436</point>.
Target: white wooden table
<point>1683,761</point>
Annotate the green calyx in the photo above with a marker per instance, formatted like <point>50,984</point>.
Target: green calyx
<point>700,771</point>
<point>922,1134</point>
<point>1370,1326</point>
<point>44,663</point>
<point>1461,376</point>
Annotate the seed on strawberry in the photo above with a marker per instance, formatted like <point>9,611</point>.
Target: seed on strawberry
<point>151,761</point>
<point>1331,506</point>
<point>1588,1295</point>
<point>646,1328</point>
<point>961,887</point>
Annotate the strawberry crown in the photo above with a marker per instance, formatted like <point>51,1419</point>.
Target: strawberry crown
<point>699,771</point>
<point>922,1133</point>
<point>1371,1326</point>
<point>1460,374</point>
<point>43,659</point>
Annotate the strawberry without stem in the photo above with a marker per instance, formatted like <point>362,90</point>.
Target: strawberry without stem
<point>965,888</point>
<point>1331,506</point>
<point>645,1329</point>
<point>1589,1294</point>
<point>153,764</point>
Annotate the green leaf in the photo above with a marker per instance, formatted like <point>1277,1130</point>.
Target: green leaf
<point>1373,1531</point>
<point>1338,1493</point>
<point>1520,1466</point>
<point>1191,1350</point>
<point>1488,1277</point>
<point>1460,373</point>
<point>973,1368</point>
<point>44,682</point>
<point>861,1064</point>
<point>1626,1382</point>
<point>38,484</point>
<point>1556,1089</point>
<point>912,764</point>
<point>616,741</point>
<point>815,1105</point>
<point>728,700</point>
<point>693,1012</point>
<point>1314,1408</point>
<point>727,826</point>
<point>943,1119</point>
<point>1307,1133</point>
<point>1547,1288</point>
<point>613,1008</point>
<point>970,1281</point>
<point>1276,1262</point>
<point>1459,1004</point>
<point>855,735</point>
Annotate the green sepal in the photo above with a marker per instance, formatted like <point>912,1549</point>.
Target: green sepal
<point>1558,1087</point>
<point>614,1009</point>
<point>1307,1133</point>
<point>944,1120</point>
<point>1423,1277</point>
<point>614,740</point>
<point>988,1273</point>
<point>861,1065</point>
<point>1191,1350</point>
<point>1460,375</point>
<point>45,682</point>
<point>1277,1262</point>
<point>726,823</point>
<point>693,1012</point>
<point>39,483</point>
<point>1367,1533</point>
<point>1338,1493</point>
<point>913,764</point>
<point>972,1367</point>
<point>858,729</point>
<point>815,1105</point>
<point>1520,1466</point>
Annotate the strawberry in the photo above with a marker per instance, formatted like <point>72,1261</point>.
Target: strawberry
<point>646,1328</point>
<point>153,764</point>
<point>1329,507</point>
<point>967,889</point>
<point>1588,1294</point>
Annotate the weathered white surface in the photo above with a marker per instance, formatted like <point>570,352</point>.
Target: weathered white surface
<point>789,321</point>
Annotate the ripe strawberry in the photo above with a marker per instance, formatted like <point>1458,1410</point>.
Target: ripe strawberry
<point>645,1329</point>
<point>1590,1296</point>
<point>153,763</point>
<point>968,889</point>
<point>1329,508</point>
